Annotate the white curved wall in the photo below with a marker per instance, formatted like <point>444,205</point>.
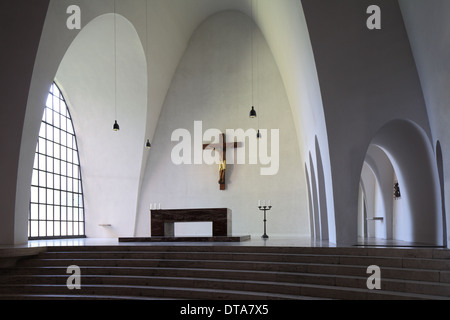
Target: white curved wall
<point>285,28</point>
<point>367,78</point>
<point>22,23</point>
<point>428,27</point>
<point>110,161</point>
<point>213,84</point>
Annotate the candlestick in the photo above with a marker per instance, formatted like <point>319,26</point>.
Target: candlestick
<point>265,208</point>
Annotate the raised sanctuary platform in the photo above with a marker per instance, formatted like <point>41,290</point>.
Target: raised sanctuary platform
<point>162,226</point>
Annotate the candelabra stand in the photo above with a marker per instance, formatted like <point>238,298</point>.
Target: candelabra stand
<point>264,208</point>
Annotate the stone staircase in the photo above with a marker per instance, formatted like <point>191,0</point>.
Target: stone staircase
<point>228,273</point>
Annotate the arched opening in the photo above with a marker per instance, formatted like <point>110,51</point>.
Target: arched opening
<point>376,205</point>
<point>322,194</point>
<point>362,213</point>
<point>310,204</point>
<point>315,202</point>
<point>400,159</point>
<point>440,167</point>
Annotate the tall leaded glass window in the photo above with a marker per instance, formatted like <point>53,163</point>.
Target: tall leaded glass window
<point>56,206</point>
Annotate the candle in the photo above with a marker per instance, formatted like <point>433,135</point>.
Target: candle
<point>159,206</point>
<point>268,203</point>
<point>264,203</point>
<point>259,203</point>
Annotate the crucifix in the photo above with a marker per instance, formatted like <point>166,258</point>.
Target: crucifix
<point>221,148</point>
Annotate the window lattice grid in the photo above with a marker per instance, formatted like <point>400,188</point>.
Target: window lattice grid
<point>57,204</point>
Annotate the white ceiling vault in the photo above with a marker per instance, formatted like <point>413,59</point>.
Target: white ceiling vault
<point>171,23</point>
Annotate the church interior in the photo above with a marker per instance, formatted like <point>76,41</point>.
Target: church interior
<point>321,123</point>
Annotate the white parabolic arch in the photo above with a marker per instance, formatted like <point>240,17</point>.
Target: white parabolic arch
<point>408,149</point>
<point>101,72</point>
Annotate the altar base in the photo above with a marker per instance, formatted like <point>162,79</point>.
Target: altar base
<point>186,239</point>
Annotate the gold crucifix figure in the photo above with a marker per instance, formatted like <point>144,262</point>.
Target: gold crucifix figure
<point>221,148</point>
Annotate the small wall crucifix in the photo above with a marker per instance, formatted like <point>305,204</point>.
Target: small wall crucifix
<point>221,148</point>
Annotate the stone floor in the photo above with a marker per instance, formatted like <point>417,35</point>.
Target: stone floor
<point>254,241</point>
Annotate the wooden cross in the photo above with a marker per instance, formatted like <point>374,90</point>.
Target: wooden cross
<point>221,147</point>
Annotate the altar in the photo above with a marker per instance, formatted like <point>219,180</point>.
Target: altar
<point>162,224</point>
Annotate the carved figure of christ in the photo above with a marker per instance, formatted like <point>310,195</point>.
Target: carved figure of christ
<point>221,148</point>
